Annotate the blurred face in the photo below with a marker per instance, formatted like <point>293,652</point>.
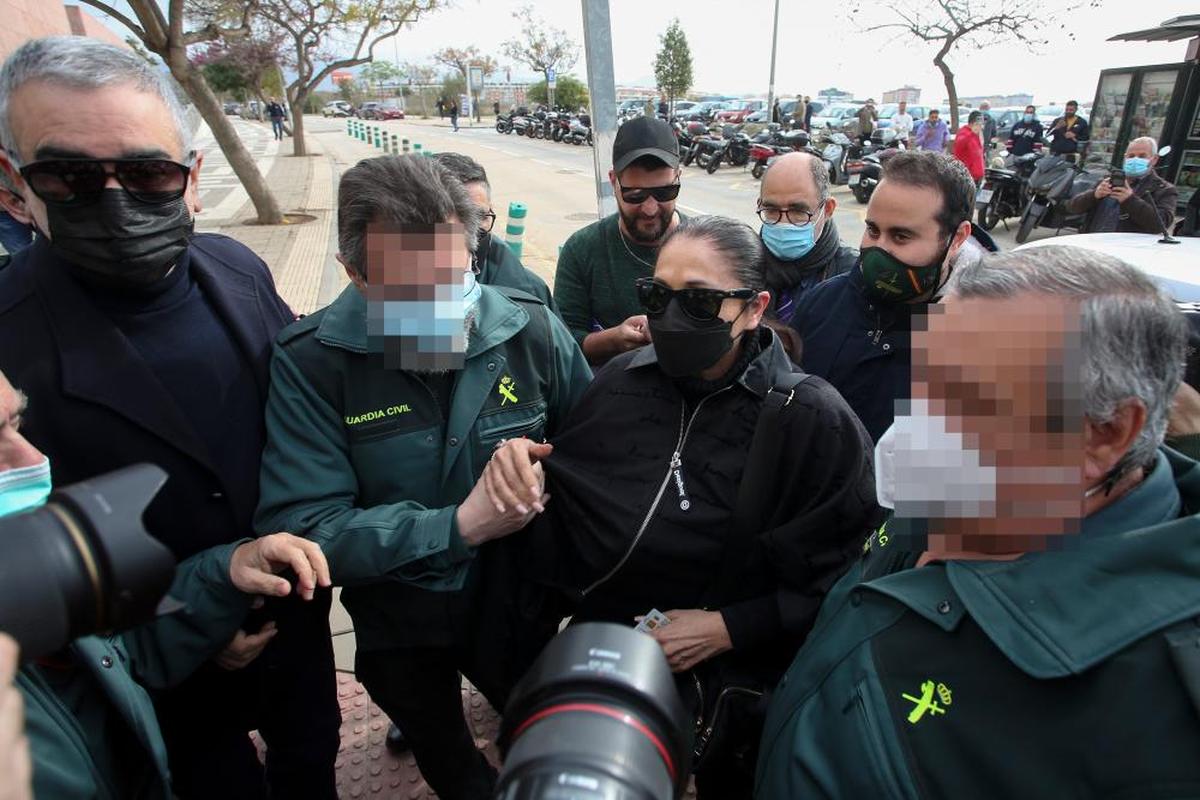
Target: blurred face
<point>1071,109</point>
<point>903,108</point>
<point>15,450</point>
<point>417,294</point>
<point>1030,110</point>
<point>1002,377</point>
<point>933,116</point>
<point>646,222</point>
<point>51,121</point>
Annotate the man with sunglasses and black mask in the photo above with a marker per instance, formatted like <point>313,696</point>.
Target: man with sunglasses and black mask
<point>856,326</point>
<point>137,341</point>
<point>598,266</point>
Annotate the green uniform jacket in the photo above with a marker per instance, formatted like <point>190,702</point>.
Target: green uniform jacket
<point>92,729</point>
<point>361,460</point>
<point>1056,675</point>
<point>501,267</point>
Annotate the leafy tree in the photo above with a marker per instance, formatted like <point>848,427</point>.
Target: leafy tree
<point>571,93</point>
<point>424,75</point>
<point>462,60</point>
<point>541,47</point>
<point>317,33</point>
<point>159,26</point>
<point>378,73</point>
<point>974,23</point>
<point>673,64</point>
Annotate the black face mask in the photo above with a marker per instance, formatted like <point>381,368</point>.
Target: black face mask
<point>687,346</point>
<point>123,242</point>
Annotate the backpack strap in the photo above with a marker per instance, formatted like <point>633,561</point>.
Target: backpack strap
<point>754,490</point>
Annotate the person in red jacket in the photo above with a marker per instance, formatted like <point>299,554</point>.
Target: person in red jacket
<point>968,146</point>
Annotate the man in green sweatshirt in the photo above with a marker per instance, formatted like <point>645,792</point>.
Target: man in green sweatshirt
<point>594,283</point>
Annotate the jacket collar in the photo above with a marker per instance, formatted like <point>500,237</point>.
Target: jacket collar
<point>497,320</point>
<point>759,377</point>
<point>1135,569</point>
<point>98,364</point>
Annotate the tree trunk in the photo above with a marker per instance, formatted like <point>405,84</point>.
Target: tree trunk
<point>951,92</point>
<point>298,146</point>
<point>230,143</point>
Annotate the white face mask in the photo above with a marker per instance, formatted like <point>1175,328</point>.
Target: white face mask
<point>925,470</point>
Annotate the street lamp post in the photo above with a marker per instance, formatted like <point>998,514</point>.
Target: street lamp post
<point>771,86</point>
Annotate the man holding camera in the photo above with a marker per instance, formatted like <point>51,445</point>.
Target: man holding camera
<point>1131,200</point>
<point>89,721</point>
<point>138,341</point>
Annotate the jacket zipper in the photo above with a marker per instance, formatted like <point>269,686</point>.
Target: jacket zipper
<point>685,427</point>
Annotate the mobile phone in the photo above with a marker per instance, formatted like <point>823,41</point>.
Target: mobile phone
<point>1117,178</point>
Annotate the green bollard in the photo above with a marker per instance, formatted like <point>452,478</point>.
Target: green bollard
<point>514,232</point>
<point>379,134</point>
<point>349,125</point>
<point>404,144</point>
<point>416,148</point>
<point>395,145</point>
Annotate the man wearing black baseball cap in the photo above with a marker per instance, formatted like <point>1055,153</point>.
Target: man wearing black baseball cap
<point>597,267</point>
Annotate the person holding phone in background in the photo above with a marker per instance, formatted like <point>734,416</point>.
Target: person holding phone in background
<point>1132,200</point>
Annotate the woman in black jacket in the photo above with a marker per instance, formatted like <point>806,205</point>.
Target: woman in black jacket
<point>655,506</point>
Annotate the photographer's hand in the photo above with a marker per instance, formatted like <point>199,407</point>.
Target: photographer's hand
<point>16,766</point>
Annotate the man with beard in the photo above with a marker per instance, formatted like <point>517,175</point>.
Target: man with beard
<point>594,284</point>
<point>801,240</point>
<point>856,326</point>
<point>384,409</point>
<point>138,341</point>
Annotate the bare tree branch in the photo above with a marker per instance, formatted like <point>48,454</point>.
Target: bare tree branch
<point>118,16</point>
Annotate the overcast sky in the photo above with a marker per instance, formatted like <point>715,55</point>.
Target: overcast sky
<point>731,42</point>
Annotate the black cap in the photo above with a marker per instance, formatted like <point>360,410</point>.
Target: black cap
<point>645,136</point>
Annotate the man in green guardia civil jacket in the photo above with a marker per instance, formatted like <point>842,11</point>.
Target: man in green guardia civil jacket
<point>89,719</point>
<point>383,410</point>
<point>1028,623</point>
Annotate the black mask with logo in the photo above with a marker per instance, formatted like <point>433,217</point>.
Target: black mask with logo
<point>119,241</point>
<point>687,346</point>
<point>887,279</point>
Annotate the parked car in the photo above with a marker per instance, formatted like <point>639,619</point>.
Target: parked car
<point>1005,119</point>
<point>683,107</point>
<point>232,108</point>
<point>739,111</point>
<point>841,117</point>
<point>250,110</point>
<point>706,111</point>
<point>368,109</point>
<point>338,108</point>
<point>627,107</point>
<point>388,110</point>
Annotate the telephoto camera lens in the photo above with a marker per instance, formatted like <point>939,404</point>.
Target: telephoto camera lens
<point>597,717</point>
<point>82,563</point>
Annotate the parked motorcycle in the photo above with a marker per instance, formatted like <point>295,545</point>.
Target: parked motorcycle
<point>1004,191</point>
<point>504,123</point>
<point>580,132</point>
<point>1053,182</point>
<point>835,148</point>
<point>863,182</point>
<point>688,135</point>
<point>521,125</point>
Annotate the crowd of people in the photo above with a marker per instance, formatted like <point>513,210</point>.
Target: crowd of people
<point>918,514</point>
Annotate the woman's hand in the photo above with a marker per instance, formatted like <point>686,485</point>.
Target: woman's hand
<point>693,636</point>
<point>481,520</point>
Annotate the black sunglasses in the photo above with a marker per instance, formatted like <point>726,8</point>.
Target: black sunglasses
<point>639,195</point>
<point>80,181</point>
<point>699,304</point>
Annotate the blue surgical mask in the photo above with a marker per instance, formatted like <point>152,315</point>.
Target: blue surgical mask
<point>471,291</point>
<point>24,488</point>
<point>1137,166</point>
<point>1028,118</point>
<point>789,242</point>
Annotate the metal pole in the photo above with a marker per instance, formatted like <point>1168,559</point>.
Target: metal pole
<point>771,86</point>
<point>597,41</point>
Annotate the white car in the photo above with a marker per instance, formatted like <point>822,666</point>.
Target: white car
<point>1172,265</point>
<point>338,108</point>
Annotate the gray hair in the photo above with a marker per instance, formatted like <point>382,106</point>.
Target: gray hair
<point>1134,339</point>
<point>734,240</point>
<point>1152,141</point>
<point>398,190</point>
<point>82,63</point>
<point>820,176</point>
<point>465,168</point>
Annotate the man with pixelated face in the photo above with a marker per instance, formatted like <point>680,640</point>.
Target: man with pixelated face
<point>384,409</point>
<point>422,293</point>
<point>1025,625</point>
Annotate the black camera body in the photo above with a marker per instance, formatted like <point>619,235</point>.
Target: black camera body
<point>83,563</point>
<point>1117,178</point>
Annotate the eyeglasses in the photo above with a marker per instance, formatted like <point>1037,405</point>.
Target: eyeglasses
<point>639,195</point>
<point>80,181</point>
<point>699,304</point>
<point>487,221</point>
<point>773,216</point>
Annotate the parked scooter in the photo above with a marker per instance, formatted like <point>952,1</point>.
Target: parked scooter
<point>689,135</point>
<point>581,131</point>
<point>521,125</point>
<point>1004,191</point>
<point>835,148</point>
<point>864,181</point>
<point>1053,182</point>
<point>504,123</point>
